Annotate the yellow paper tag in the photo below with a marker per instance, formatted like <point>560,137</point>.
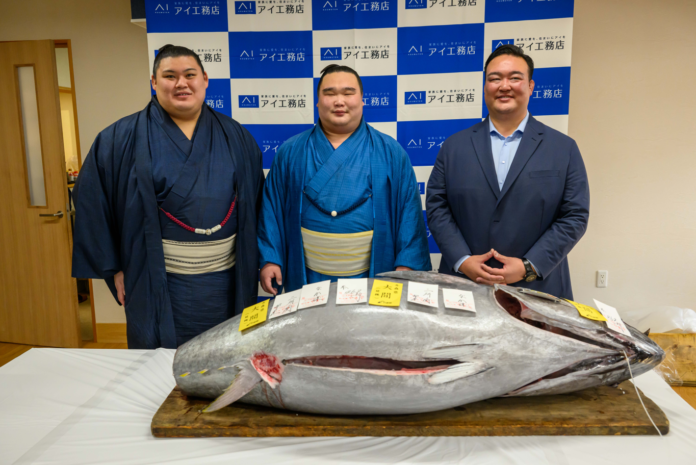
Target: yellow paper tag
<point>251,316</point>
<point>587,311</point>
<point>385,293</point>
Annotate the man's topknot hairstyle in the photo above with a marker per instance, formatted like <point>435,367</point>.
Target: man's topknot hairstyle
<point>339,69</point>
<point>173,51</point>
<point>514,50</point>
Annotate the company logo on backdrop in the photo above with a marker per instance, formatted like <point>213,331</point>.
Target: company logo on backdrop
<point>270,137</point>
<point>215,102</point>
<point>422,140</point>
<point>245,8</point>
<point>270,7</point>
<point>218,97</point>
<point>441,97</point>
<point>551,91</point>
<point>248,101</point>
<point>186,16</point>
<point>414,98</point>
<point>271,54</point>
<point>500,42</point>
<point>534,44</point>
<point>422,4</point>
<point>209,55</point>
<point>358,52</point>
<point>379,98</point>
<point>421,188</point>
<point>281,101</point>
<point>525,10</point>
<point>330,53</point>
<point>353,14</point>
<point>416,4</point>
<point>440,49</point>
<point>201,8</point>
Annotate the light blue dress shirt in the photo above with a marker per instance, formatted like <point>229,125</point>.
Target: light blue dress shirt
<point>504,150</point>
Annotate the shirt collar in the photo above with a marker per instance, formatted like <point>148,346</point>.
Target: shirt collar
<point>520,128</point>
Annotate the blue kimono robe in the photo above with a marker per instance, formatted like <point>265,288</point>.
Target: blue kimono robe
<point>141,163</point>
<point>367,163</point>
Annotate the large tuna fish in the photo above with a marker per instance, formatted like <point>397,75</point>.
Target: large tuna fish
<point>363,359</point>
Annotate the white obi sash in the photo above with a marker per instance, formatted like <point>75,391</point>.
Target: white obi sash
<point>337,254</point>
<point>199,257</point>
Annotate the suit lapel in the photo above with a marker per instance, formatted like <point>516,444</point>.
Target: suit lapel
<point>481,139</point>
<point>532,137</point>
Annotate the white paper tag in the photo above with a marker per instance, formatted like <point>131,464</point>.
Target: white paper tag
<point>459,300</point>
<point>351,291</point>
<point>285,303</point>
<point>423,294</point>
<point>315,294</point>
<point>613,319</point>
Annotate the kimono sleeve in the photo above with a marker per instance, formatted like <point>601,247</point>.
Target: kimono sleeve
<point>271,228</point>
<point>96,238</point>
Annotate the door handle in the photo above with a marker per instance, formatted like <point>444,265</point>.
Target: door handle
<point>59,214</point>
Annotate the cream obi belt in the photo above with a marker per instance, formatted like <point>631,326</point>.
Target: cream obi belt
<point>337,254</point>
<point>199,257</point>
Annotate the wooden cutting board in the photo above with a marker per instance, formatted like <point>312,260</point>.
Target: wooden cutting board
<point>596,411</point>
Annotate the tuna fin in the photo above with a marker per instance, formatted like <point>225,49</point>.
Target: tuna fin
<point>458,371</point>
<point>461,352</point>
<point>244,382</point>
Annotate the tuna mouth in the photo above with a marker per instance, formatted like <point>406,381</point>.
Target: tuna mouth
<point>373,365</point>
<point>642,353</point>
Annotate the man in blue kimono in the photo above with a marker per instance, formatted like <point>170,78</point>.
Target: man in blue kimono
<point>341,199</point>
<point>166,209</point>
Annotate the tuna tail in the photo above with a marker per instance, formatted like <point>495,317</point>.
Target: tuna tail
<point>244,382</point>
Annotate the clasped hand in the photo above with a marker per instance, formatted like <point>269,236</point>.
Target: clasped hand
<point>476,269</point>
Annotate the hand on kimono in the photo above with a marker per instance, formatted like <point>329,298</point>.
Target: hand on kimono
<point>120,288</point>
<point>268,272</point>
<point>403,268</point>
<point>474,267</point>
<point>512,270</point>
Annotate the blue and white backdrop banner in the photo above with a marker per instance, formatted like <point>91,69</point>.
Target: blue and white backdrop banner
<point>421,62</point>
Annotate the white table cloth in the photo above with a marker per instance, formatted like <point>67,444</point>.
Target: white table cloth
<point>77,406</point>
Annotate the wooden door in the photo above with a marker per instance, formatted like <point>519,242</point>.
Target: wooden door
<point>38,300</point>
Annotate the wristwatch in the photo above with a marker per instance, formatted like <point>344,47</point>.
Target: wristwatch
<point>529,273</point>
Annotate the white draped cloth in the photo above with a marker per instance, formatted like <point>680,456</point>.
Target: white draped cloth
<point>78,406</point>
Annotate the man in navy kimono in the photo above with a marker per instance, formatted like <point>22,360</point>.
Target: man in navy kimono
<point>166,209</point>
<point>508,198</point>
<point>341,199</point>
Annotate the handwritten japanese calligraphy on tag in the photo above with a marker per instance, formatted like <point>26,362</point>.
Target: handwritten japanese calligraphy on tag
<point>613,319</point>
<point>423,294</point>
<point>385,293</point>
<point>459,300</point>
<point>314,294</point>
<point>285,303</point>
<point>351,291</point>
<point>251,316</point>
<point>587,312</point>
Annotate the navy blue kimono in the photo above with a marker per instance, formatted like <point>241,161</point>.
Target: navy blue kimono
<point>143,163</point>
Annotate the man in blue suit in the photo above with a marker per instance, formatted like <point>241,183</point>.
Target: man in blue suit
<point>508,198</point>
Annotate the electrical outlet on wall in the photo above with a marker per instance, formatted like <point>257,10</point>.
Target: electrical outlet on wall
<point>602,278</point>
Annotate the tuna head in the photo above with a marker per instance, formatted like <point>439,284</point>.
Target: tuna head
<point>560,317</point>
<point>364,359</point>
